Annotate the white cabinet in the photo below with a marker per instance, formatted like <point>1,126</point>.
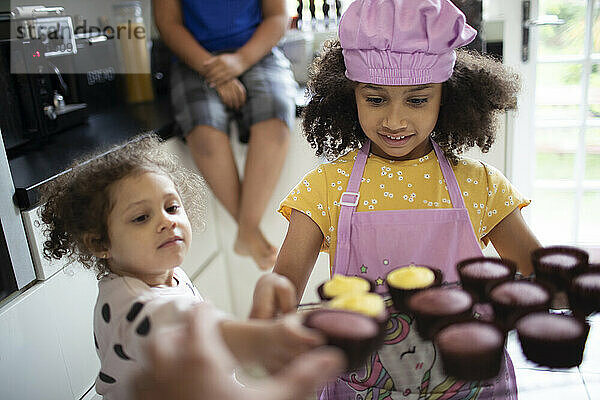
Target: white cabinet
<point>205,244</point>
<point>46,347</point>
<point>31,364</point>
<point>214,284</point>
<point>44,268</point>
<point>205,263</point>
<point>74,293</point>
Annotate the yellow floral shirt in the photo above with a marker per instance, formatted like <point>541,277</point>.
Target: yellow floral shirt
<point>402,185</point>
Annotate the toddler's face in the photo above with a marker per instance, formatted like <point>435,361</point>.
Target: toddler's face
<point>398,119</point>
<point>148,228</point>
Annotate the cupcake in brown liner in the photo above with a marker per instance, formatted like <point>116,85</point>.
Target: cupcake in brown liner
<point>584,293</point>
<point>553,340</point>
<point>477,273</point>
<point>471,350</point>
<point>432,307</point>
<point>593,267</point>
<point>369,304</point>
<point>558,265</point>
<point>404,281</point>
<point>341,284</point>
<point>513,299</point>
<point>355,334</point>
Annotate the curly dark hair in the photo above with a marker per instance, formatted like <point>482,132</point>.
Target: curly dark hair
<point>478,91</point>
<point>78,201</point>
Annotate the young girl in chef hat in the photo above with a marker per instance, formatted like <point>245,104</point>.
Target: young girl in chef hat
<point>393,103</point>
<point>124,213</point>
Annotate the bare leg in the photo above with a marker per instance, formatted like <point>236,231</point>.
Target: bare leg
<point>267,149</point>
<point>212,154</point>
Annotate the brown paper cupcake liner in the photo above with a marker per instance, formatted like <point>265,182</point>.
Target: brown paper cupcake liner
<point>479,363</point>
<point>556,274</point>
<point>507,314</point>
<point>357,350</point>
<point>400,295</point>
<point>476,285</point>
<point>585,299</point>
<point>546,351</point>
<point>426,322</point>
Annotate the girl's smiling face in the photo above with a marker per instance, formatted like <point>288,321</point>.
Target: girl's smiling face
<point>148,229</point>
<point>398,119</point>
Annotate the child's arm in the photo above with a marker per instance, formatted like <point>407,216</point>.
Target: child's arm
<point>272,343</point>
<point>299,251</point>
<point>169,21</point>
<point>513,240</point>
<point>225,67</point>
<point>295,261</point>
<point>195,364</point>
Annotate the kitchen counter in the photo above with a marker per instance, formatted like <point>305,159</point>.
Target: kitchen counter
<point>34,166</point>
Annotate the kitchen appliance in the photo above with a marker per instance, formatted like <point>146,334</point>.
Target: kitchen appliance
<point>37,52</point>
<point>97,65</point>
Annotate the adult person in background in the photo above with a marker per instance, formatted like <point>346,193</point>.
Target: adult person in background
<point>195,364</point>
<point>227,66</point>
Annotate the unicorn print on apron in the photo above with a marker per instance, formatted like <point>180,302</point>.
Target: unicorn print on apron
<point>372,243</point>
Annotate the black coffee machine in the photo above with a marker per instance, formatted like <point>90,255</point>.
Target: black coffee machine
<point>38,90</point>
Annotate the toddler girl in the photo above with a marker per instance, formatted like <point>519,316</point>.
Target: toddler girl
<point>394,104</point>
<point>122,213</point>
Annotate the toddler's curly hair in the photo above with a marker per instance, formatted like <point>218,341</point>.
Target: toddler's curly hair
<point>479,90</point>
<point>78,201</point>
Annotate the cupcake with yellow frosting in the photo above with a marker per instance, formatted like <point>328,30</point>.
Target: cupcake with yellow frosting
<point>404,281</point>
<point>369,304</point>
<point>340,285</point>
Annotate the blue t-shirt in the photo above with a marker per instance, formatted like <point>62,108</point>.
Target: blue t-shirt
<point>223,24</point>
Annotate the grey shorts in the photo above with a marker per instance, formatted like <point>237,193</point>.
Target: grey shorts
<point>270,93</point>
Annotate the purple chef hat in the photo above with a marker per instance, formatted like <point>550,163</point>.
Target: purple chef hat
<point>402,42</point>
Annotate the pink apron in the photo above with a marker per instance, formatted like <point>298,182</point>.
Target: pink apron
<point>370,244</point>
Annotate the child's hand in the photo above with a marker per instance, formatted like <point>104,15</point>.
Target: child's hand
<point>273,343</point>
<point>232,93</point>
<point>223,68</point>
<point>195,364</point>
<point>285,339</point>
<point>273,294</point>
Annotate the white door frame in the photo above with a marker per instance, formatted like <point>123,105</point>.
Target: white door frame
<point>520,153</point>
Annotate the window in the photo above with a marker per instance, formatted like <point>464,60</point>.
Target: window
<point>566,181</point>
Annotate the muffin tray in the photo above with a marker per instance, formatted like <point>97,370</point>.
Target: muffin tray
<point>551,338</point>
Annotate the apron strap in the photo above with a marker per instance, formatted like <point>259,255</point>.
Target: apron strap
<point>348,201</point>
<point>452,184</point>
<point>449,177</point>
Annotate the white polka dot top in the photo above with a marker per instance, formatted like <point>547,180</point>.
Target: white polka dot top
<point>128,313</point>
